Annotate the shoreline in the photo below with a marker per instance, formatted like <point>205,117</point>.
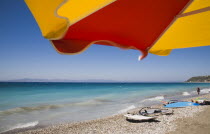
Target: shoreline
<point>118,123</point>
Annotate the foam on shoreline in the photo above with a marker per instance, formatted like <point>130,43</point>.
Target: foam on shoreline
<point>22,125</point>
<point>126,109</point>
<point>205,90</point>
<point>185,93</point>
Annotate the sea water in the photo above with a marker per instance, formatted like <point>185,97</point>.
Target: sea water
<point>24,105</point>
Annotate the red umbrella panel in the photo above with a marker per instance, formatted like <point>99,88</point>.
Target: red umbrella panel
<point>131,24</point>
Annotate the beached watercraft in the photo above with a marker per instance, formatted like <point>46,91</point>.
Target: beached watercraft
<point>148,111</point>
<point>139,117</point>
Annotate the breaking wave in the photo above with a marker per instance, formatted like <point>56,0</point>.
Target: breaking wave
<point>154,98</point>
<point>185,93</point>
<point>27,109</point>
<point>205,90</point>
<point>126,109</point>
<point>56,106</point>
<point>23,125</point>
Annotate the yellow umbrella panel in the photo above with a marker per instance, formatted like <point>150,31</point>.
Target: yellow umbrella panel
<point>190,29</point>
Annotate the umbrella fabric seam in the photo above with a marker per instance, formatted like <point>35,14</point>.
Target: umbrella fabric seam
<point>172,22</point>
<point>194,12</point>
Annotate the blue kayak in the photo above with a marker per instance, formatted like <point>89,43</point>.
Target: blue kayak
<point>181,104</point>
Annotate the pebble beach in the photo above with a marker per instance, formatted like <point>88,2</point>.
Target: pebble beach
<point>197,116</point>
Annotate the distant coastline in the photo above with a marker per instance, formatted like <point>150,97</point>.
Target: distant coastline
<point>196,79</point>
<point>83,81</point>
<point>59,80</point>
<point>199,79</point>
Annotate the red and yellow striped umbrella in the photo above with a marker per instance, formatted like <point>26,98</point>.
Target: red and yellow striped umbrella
<point>155,26</point>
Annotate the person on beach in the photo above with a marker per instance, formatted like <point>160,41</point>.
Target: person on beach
<point>198,90</point>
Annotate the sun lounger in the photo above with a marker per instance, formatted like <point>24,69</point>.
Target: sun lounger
<point>138,117</point>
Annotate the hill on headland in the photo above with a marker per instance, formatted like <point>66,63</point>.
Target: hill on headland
<point>200,79</point>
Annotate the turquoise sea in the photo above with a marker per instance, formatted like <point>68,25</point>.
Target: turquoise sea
<point>25,105</point>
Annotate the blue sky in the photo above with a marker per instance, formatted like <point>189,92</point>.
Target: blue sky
<point>24,53</point>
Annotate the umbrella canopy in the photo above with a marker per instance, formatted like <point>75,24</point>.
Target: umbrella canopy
<point>155,26</point>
